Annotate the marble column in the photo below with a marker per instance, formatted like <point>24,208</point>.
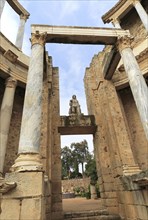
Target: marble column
<point>29,144</point>
<point>21,29</point>
<point>141,12</point>
<point>2,4</point>
<point>5,117</point>
<point>136,80</point>
<point>116,23</point>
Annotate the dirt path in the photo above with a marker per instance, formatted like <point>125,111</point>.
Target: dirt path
<point>81,204</point>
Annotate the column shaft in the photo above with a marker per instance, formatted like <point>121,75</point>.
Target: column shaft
<point>21,29</point>
<point>2,4</point>
<point>5,118</point>
<point>142,13</point>
<point>136,81</point>
<point>29,143</point>
<point>30,128</point>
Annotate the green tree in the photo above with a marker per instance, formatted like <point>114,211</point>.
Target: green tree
<point>91,171</point>
<point>80,155</point>
<point>66,158</point>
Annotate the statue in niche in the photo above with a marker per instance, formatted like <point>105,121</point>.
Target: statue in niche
<point>74,106</point>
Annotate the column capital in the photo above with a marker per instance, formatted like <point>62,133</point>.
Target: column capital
<point>124,42</point>
<point>24,17</point>
<point>37,38</point>
<point>11,82</point>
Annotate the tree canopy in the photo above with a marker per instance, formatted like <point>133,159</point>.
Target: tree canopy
<point>72,157</point>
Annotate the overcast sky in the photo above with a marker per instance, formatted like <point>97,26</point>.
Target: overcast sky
<point>71,59</point>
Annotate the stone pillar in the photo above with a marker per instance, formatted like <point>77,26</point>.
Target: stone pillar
<point>136,80</point>
<point>116,23</point>
<point>20,34</point>
<point>5,117</point>
<point>2,4</point>
<point>29,144</point>
<point>141,12</point>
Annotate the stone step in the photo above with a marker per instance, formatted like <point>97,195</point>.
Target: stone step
<point>90,215</point>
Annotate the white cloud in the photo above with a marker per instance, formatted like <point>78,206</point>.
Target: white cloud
<point>68,8</point>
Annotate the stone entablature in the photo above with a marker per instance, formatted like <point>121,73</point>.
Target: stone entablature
<point>84,124</point>
<point>118,10</point>
<point>18,8</point>
<point>80,35</point>
<point>8,45</point>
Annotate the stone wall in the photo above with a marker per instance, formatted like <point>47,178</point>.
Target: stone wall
<point>136,131</point>
<point>2,89</point>
<point>70,185</point>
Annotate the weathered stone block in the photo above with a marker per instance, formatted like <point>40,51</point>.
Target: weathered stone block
<point>10,209</point>
<point>142,212</point>
<point>32,209</point>
<point>28,184</point>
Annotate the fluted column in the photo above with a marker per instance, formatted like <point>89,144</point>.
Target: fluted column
<point>29,143</point>
<point>21,29</point>
<point>141,12</point>
<point>2,4</point>
<point>5,117</point>
<point>136,80</point>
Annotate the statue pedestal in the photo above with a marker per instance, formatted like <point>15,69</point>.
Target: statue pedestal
<point>26,201</point>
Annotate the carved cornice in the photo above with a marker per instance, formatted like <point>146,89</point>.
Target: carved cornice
<point>124,42</point>
<point>37,38</point>
<point>11,82</point>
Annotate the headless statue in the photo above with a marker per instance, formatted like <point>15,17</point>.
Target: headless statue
<point>74,106</point>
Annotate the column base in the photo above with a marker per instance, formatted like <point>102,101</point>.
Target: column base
<point>130,170</point>
<point>27,162</point>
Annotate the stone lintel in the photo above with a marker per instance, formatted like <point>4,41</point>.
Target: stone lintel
<point>72,125</point>
<point>110,63</point>
<point>80,35</point>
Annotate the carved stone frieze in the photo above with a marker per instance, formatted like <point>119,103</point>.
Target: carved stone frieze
<point>124,42</point>
<point>11,82</point>
<point>12,57</point>
<point>37,38</point>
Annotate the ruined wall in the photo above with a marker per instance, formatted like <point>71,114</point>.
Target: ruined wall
<point>56,206</point>
<point>117,142</point>
<point>95,85</point>
<point>70,185</point>
<point>135,128</point>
